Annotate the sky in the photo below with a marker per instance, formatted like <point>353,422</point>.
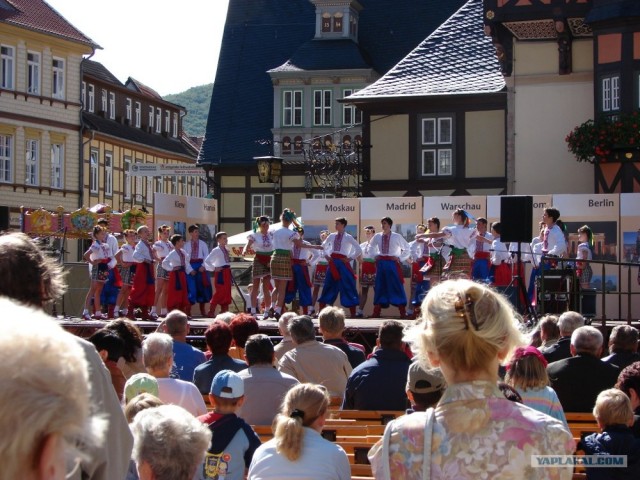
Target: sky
<point>169,46</point>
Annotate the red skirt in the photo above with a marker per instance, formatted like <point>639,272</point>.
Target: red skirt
<point>143,291</point>
<point>502,275</point>
<point>222,282</point>
<point>368,274</point>
<point>177,294</point>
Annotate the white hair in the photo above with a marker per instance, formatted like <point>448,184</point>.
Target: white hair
<point>157,349</point>
<point>285,320</point>
<point>587,340</point>
<point>44,389</point>
<point>226,317</point>
<point>170,440</point>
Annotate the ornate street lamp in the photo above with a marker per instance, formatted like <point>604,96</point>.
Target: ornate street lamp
<point>269,170</point>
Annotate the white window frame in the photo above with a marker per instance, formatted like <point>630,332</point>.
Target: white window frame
<point>91,93</point>
<point>94,173</point>
<point>610,93</point>
<point>108,174</point>
<point>7,66</point>
<point>58,83</point>
<point>149,195</point>
<point>112,105</point>
<point>127,111</point>
<point>152,112</point>
<point>104,102</point>
<point>323,195</point>
<point>139,185</point>
<point>322,107</point>
<point>292,108</point>
<point>6,158</point>
<point>167,121</point>
<point>351,115</point>
<point>437,146</point>
<point>34,76</point>
<point>262,204</point>
<point>126,178</point>
<point>175,125</point>
<point>138,112</point>
<point>32,162</point>
<point>159,184</point>
<point>57,165</point>
<point>83,95</point>
<point>158,120</point>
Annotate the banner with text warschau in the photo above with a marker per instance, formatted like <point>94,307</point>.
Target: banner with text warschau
<point>540,202</point>
<point>630,250</point>
<point>443,207</point>
<point>179,212</point>
<point>320,214</point>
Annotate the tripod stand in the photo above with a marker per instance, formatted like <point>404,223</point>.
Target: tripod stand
<point>521,291</point>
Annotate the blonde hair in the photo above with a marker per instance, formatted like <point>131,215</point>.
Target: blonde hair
<point>301,407</point>
<point>467,325</point>
<point>139,403</point>
<point>527,372</point>
<point>331,320</point>
<point>613,407</point>
<point>44,389</point>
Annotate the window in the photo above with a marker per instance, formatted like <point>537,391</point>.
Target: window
<point>175,124</point>
<point>32,160</point>
<point>138,114</point>
<point>7,62</point>
<point>83,95</point>
<point>326,22</point>
<point>167,121</point>
<point>33,73</point>
<point>57,165</point>
<point>127,178</point>
<point>159,185</point>
<point>92,98</point>
<point>286,145</point>
<point>138,185</point>
<point>262,205</point>
<point>323,195</point>
<point>174,185</point>
<point>347,146</point>
<point>297,145</point>
<point>437,146</point>
<point>112,105</point>
<point>611,93</point>
<point>158,120</point>
<point>292,108</point>
<point>93,171</point>
<point>350,114</point>
<point>337,22</point>
<point>353,26</point>
<point>149,190</point>
<point>151,113</point>
<point>6,159</point>
<point>104,101</point>
<point>108,174</point>
<point>128,110</point>
<point>58,86</point>
<point>322,107</point>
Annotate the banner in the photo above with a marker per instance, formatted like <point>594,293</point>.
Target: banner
<point>155,170</point>
<point>320,214</point>
<point>179,212</point>
<point>406,213</point>
<point>443,208</point>
<point>540,202</point>
<point>630,251</point>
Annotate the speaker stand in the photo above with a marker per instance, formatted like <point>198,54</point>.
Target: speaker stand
<point>521,290</point>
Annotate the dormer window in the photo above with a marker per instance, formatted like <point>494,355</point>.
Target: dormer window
<point>337,22</point>
<point>337,19</point>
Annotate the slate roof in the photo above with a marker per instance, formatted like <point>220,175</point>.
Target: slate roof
<point>613,9</point>
<point>127,132</point>
<point>261,35</point>
<point>99,71</point>
<point>39,16</point>
<point>140,87</point>
<point>326,55</point>
<point>456,59</point>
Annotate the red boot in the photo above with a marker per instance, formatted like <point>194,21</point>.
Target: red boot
<point>403,311</point>
<point>352,310</point>
<point>212,310</point>
<point>145,314</point>
<point>376,311</point>
<point>111,311</point>
<point>202,310</point>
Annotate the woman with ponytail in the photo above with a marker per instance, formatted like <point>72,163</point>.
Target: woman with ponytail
<point>585,253</point>
<point>261,242</point>
<point>297,449</point>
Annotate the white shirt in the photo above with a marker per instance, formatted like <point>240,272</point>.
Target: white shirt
<point>525,251</point>
<point>173,260</point>
<point>536,249</point>
<point>127,253</point>
<point>203,250</point>
<point>417,249</point>
<point>283,238</point>
<point>181,393</point>
<point>261,242</point>
<point>500,252</point>
<point>584,252</point>
<point>102,251</point>
<point>216,259</point>
<point>368,251</point>
<point>320,459</point>
<point>348,247</point>
<point>460,237</point>
<point>162,248</point>
<point>398,246</point>
<point>112,241</point>
<point>484,246</point>
<point>307,254</point>
<point>556,243</point>
<point>142,252</point>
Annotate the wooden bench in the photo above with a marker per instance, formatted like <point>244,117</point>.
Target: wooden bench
<point>381,417</point>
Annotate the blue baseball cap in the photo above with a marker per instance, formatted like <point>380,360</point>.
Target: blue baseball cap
<point>227,384</point>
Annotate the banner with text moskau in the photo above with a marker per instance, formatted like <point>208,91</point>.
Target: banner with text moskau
<point>320,214</point>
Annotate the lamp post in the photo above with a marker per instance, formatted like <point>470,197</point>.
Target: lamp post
<point>270,170</point>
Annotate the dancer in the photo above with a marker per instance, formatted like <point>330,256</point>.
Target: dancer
<point>199,284</point>
<point>340,249</point>
<point>100,256</point>
<point>162,247</point>
<point>392,250</point>
<point>177,264</point>
<point>482,258</point>
<point>284,239</point>
<point>143,290</point>
<point>500,258</point>
<point>319,270</point>
<point>367,269</point>
<point>112,286</point>
<point>261,241</point>
<point>127,267</point>
<point>460,237</point>
<point>417,260</point>
<point>218,262</point>
<point>301,283</point>
<point>585,253</point>
<point>431,271</point>
<point>536,257</point>
<point>553,240</point>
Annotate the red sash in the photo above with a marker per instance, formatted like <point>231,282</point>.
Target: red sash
<point>264,259</point>
<point>332,266</point>
<point>395,259</point>
<point>305,270</point>
<point>482,255</point>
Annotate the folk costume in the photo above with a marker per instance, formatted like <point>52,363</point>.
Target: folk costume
<point>281,259</point>
<point>500,259</point>
<point>583,268</point>
<point>177,264</point>
<point>143,290</point>
<point>389,288</point>
<point>301,282</point>
<point>262,245</point>
<point>461,239</point>
<point>218,262</point>
<point>200,290</point>
<point>162,249</point>
<point>368,265</point>
<point>340,249</point>
<point>482,258</point>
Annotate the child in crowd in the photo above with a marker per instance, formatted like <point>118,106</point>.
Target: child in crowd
<point>177,264</point>
<point>110,348</point>
<point>234,441</point>
<point>127,266</point>
<point>138,384</point>
<point>218,263</point>
<point>100,257</point>
<point>424,387</point>
<point>614,416</point>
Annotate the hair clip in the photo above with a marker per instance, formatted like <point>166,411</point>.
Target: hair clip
<point>296,413</point>
<point>467,311</point>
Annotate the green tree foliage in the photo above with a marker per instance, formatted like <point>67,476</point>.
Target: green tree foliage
<point>196,100</point>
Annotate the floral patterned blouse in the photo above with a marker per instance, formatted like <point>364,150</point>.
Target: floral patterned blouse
<point>477,434</point>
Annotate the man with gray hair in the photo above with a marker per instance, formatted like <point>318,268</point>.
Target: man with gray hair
<point>623,346</point>
<point>185,357</point>
<point>567,323</point>
<point>287,343</point>
<point>314,362</point>
<point>331,322</point>
<point>169,443</point>
<point>579,379</point>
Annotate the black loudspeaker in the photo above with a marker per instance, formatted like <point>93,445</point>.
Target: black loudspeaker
<point>516,217</point>
<point>4,218</point>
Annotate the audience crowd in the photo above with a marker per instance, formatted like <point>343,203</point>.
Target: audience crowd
<point>126,406</point>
